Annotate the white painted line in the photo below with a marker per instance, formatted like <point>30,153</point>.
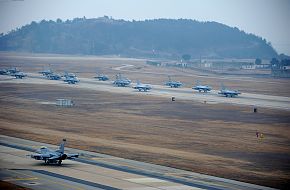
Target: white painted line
<point>145,180</point>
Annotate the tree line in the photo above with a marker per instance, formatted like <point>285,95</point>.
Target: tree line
<point>159,38</point>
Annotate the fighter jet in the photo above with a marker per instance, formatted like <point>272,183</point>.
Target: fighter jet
<point>12,71</point>
<point>121,82</point>
<point>3,72</point>
<point>53,156</point>
<point>70,78</point>
<point>102,77</point>
<point>45,72</point>
<point>200,88</point>
<point>142,87</point>
<point>227,92</point>
<point>69,75</point>
<point>173,84</point>
<point>53,76</point>
<point>18,75</point>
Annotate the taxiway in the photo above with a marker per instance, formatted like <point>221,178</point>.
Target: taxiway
<point>99,171</point>
<point>246,99</point>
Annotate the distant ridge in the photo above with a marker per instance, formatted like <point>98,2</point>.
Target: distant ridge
<point>160,38</point>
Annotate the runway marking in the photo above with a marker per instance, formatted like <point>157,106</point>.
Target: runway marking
<point>76,180</point>
<point>104,159</point>
<point>148,173</point>
<point>179,188</point>
<point>63,184</point>
<point>145,180</point>
<point>199,180</point>
<point>13,171</point>
<point>45,179</point>
<point>32,183</point>
<point>21,179</point>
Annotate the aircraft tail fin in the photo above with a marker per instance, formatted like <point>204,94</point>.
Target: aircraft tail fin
<point>61,146</point>
<point>138,82</point>
<point>223,86</point>
<point>65,74</point>
<point>197,82</point>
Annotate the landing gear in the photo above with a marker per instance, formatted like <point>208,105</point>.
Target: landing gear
<point>58,162</point>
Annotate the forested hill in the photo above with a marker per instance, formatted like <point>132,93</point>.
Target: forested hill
<point>165,38</point>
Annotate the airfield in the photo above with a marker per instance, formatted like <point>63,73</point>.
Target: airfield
<point>98,171</point>
<point>199,132</point>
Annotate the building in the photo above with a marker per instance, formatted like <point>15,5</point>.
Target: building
<point>255,66</point>
<point>281,68</point>
<point>64,102</point>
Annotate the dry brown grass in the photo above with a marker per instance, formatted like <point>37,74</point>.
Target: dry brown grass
<point>212,139</point>
<point>9,186</point>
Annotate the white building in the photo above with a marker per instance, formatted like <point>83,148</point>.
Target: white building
<point>64,102</point>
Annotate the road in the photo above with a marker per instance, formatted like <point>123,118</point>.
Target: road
<point>99,171</point>
<point>246,99</point>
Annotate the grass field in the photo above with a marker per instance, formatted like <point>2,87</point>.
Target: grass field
<point>213,139</point>
<point>10,186</point>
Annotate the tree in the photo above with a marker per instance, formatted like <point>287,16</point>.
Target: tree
<point>285,62</point>
<point>186,57</point>
<point>58,21</point>
<point>258,61</point>
<point>274,63</point>
<point>184,39</point>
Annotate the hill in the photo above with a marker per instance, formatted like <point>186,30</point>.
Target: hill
<point>150,38</point>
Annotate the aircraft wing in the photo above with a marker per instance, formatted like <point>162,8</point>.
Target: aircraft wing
<point>54,157</point>
<point>39,156</point>
<point>72,156</point>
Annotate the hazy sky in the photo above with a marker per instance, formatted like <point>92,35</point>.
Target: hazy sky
<point>266,18</point>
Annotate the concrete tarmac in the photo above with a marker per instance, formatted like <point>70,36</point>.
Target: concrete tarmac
<point>246,99</point>
<point>98,171</point>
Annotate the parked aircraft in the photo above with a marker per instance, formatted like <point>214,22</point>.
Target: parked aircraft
<point>200,88</point>
<point>142,87</point>
<point>53,156</point>
<point>228,93</point>
<point>120,81</point>
<point>173,84</point>
<point>12,71</point>
<point>18,75</point>
<point>46,72</point>
<point>3,72</point>
<point>53,76</point>
<point>71,80</point>
<point>69,75</point>
<point>102,77</point>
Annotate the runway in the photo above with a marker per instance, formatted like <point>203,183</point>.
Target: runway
<point>245,99</point>
<point>98,171</point>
